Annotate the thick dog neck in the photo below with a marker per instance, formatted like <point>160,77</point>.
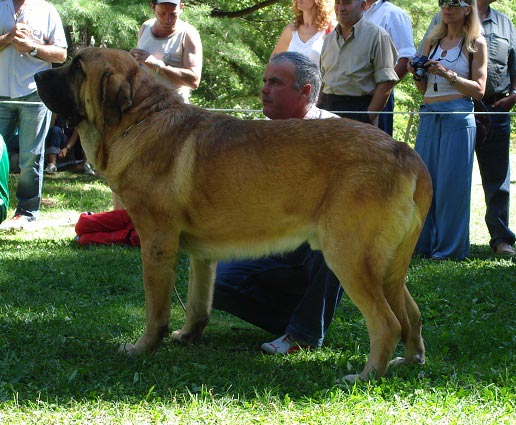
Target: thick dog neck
<point>90,140</point>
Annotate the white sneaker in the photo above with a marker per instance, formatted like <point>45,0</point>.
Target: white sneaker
<point>18,222</point>
<point>285,344</point>
<point>51,169</point>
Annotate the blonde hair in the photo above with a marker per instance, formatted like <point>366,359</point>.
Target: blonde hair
<point>472,28</point>
<point>324,14</point>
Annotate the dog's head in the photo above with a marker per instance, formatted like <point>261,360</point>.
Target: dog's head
<point>97,86</point>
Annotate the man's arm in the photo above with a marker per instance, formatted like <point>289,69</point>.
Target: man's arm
<point>21,41</point>
<point>48,52</point>
<point>190,75</point>
<point>5,40</point>
<point>401,68</point>
<point>381,95</point>
<point>20,30</point>
<point>400,30</point>
<point>507,103</point>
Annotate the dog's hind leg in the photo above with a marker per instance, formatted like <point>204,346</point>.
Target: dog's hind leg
<point>200,296</point>
<point>400,300</point>
<point>361,277</point>
<point>159,261</point>
<point>410,319</point>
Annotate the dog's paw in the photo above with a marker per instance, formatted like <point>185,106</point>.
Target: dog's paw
<point>190,336</point>
<point>129,349</point>
<point>419,359</point>
<point>349,379</point>
<point>182,337</point>
<point>399,361</point>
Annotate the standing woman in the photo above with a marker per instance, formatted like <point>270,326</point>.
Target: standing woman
<point>314,20</point>
<point>456,73</point>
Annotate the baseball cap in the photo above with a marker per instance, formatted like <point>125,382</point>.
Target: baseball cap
<point>176,2</point>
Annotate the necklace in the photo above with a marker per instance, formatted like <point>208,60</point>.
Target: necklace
<point>442,57</point>
<point>445,52</point>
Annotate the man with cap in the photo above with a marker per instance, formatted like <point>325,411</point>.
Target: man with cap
<point>171,47</point>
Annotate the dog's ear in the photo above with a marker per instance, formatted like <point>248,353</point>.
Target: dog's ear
<point>116,97</point>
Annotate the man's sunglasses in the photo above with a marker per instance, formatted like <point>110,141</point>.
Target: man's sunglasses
<point>453,3</point>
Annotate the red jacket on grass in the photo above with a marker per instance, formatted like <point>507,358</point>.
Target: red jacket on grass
<point>106,228</point>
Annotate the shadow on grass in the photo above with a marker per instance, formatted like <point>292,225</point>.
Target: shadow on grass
<point>65,310</point>
<point>67,190</point>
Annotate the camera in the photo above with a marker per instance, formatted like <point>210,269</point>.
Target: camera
<point>418,63</point>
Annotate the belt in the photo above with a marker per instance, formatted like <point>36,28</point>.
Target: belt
<point>346,98</point>
<point>489,100</point>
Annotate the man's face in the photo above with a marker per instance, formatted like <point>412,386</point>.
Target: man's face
<point>167,14</point>
<point>279,97</point>
<point>349,12</point>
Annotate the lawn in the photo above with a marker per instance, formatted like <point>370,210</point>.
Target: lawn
<point>64,311</point>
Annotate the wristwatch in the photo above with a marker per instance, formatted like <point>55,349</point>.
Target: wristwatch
<point>34,51</point>
<point>513,90</point>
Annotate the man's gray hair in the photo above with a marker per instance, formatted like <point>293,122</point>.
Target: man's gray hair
<point>306,71</point>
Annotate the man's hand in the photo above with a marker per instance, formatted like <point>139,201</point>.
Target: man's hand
<point>144,57</point>
<point>505,103</point>
<point>139,54</point>
<point>21,40</point>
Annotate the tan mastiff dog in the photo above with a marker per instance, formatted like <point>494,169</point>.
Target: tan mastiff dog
<point>217,187</point>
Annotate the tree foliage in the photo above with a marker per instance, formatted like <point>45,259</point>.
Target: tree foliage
<point>238,37</point>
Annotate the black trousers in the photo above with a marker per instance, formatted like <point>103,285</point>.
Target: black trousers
<point>334,102</point>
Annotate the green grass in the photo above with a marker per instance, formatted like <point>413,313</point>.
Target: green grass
<point>64,310</point>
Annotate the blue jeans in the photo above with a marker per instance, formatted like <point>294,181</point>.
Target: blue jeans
<point>294,294</point>
<point>446,144</point>
<point>54,141</point>
<point>386,121</point>
<point>32,122</point>
<point>494,165</point>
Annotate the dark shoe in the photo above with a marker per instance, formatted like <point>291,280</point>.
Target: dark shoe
<point>88,169</point>
<point>503,248</point>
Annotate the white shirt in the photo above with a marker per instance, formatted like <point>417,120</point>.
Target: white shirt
<point>168,49</point>
<point>312,48</point>
<point>17,69</point>
<point>315,113</point>
<point>396,22</point>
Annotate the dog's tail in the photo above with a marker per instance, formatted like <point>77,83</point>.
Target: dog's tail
<point>415,196</point>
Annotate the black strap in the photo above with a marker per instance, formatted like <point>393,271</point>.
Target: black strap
<point>461,46</point>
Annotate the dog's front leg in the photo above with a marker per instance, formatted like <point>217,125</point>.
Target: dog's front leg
<point>159,262</point>
<point>200,297</point>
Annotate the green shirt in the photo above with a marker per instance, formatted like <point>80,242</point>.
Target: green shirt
<point>355,66</point>
<point>4,176</point>
<point>500,35</point>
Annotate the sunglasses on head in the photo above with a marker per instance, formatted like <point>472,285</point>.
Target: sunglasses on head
<point>453,3</point>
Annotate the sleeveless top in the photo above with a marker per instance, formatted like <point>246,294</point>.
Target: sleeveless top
<point>168,49</point>
<point>455,60</point>
<point>312,48</point>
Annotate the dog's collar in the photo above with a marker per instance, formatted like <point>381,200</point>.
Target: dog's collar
<point>128,129</point>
